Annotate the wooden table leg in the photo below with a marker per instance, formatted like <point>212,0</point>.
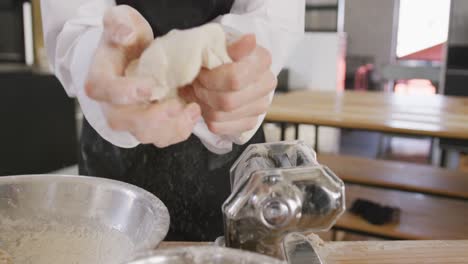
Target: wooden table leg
<point>296,129</point>
<point>283,131</point>
<point>316,146</point>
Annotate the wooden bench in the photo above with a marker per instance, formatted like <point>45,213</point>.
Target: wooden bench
<point>422,216</point>
<point>415,189</point>
<point>399,175</point>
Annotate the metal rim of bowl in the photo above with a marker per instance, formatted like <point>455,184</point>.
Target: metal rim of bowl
<point>163,221</point>
<point>211,250</point>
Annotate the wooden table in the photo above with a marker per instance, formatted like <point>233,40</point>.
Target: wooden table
<point>434,116</point>
<point>387,252</point>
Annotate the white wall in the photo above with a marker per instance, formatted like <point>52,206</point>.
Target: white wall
<point>369,25</point>
<point>321,2</point>
<point>318,62</point>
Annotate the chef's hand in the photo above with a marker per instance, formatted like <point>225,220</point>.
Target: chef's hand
<point>234,95</point>
<point>126,100</point>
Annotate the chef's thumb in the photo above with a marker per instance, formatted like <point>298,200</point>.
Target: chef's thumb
<point>242,47</point>
<point>125,27</point>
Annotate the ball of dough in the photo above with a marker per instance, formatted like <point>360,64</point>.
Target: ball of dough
<point>175,60</point>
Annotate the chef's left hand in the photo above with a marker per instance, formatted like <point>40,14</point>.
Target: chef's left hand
<point>234,95</point>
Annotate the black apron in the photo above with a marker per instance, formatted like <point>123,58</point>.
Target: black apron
<point>190,180</point>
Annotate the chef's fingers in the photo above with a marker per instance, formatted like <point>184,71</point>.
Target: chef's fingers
<point>178,128</point>
<point>127,30</point>
<point>136,118</point>
<point>162,124</point>
<point>233,128</point>
<point>114,89</point>
<point>239,74</point>
<point>126,34</point>
<point>231,101</point>
<point>187,94</point>
<point>242,47</point>
<point>253,109</point>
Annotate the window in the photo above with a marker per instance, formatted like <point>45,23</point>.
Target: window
<point>422,24</point>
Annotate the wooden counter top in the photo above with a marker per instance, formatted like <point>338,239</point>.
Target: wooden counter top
<point>395,252</point>
<point>386,252</point>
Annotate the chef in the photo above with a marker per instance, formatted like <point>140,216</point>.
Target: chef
<point>154,146</point>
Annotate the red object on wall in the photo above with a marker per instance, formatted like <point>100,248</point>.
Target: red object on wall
<point>433,53</point>
<point>362,77</point>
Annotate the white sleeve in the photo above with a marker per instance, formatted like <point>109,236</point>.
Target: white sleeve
<point>278,25</point>
<point>72,30</point>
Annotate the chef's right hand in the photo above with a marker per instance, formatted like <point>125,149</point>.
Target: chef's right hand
<point>126,101</point>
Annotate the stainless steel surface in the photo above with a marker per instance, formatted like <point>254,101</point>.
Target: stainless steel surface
<point>136,213</point>
<point>279,188</point>
<point>203,255</point>
<point>298,250</point>
<point>407,72</point>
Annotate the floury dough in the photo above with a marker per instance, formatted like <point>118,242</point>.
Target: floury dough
<point>56,243</point>
<point>175,60</point>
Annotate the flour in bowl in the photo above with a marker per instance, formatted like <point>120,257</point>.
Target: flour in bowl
<point>55,243</point>
<point>5,258</point>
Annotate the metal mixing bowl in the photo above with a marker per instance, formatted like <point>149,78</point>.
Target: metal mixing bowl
<point>204,255</point>
<point>79,200</point>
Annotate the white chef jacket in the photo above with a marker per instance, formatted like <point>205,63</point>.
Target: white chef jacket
<point>73,28</point>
